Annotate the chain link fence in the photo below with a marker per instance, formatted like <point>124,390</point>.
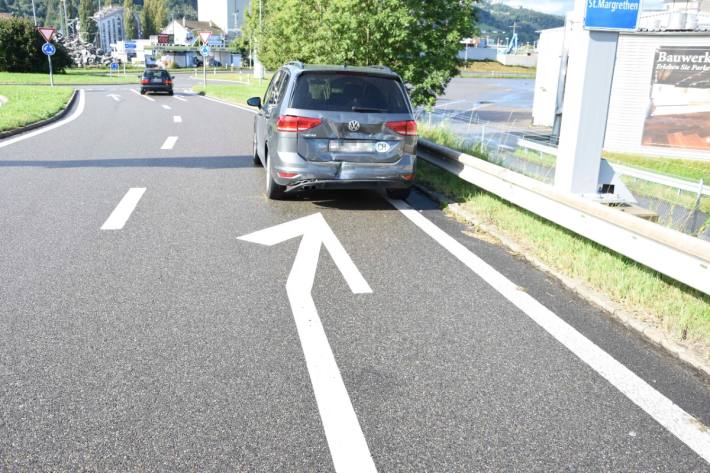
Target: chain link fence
<point>679,208</point>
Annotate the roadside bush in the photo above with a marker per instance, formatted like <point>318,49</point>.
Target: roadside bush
<point>21,48</point>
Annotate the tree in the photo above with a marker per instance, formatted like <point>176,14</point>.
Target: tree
<point>129,21</point>
<point>419,39</point>
<point>21,48</point>
<point>86,23</point>
<point>154,16</point>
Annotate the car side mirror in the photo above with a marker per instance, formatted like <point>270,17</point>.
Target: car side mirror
<point>172,77</point>
<point>140,76</point>
<point>254,102</point>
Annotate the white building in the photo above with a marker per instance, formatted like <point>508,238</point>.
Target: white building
<point>187,32</point>
<point>111,29</point>
<point>109,22</point>
<point>228,15</point>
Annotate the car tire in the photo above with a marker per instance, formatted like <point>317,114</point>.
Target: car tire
<point>274,191</point>
<point>142,92</point>
<point>170,93</point>
<point>255,152</point>
<point>399,194</point>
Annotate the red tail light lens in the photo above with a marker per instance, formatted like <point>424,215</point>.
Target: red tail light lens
<point>145,81</point>
<point>294,124</point>
<point>168,82</point>
<point>407,127</point>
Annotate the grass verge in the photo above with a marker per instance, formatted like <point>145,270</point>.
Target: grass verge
<point>30,104</point>
<point>487,67</point>
<point>235,93</point>
<point>681,312</point>
<point>72,76</point>
<point>681,168</point>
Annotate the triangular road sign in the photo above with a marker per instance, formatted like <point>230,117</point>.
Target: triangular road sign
<point>205,36</point>
<point>46,33</point>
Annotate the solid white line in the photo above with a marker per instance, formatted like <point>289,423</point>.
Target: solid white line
<point>79,110</point>
<point>179,98</point>
<point>177,119</point>
<point>229,104</point>
<point>689,430</point>
<point>167,107</point>
<point>169,142</point>
<point>124,209</point>
<point>142,96</point>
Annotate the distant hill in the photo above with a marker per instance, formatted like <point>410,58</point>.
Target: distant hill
<point>500,18</point>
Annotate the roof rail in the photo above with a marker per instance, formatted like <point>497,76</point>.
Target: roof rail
<point>380,66</point>
<point>298,64</point>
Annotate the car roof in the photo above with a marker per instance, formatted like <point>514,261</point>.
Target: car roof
<point>374,70</point>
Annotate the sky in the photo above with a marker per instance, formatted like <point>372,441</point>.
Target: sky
<point>560,7</point>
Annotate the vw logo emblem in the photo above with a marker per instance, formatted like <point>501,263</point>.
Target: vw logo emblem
<point>354,125</point>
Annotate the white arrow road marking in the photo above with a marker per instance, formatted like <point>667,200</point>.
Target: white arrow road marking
<point>687,428</point>
<point>167,107</point>
<point>347,444</point>
<point>124,209</point>
<point>143,96</point>
<point>79,110</point>
<point>179,98</point>
<point>169,142</point>
<point>177,119</point>
<point>115,97</point>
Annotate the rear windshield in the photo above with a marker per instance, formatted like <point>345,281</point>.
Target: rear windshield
<point>159,74</point>
<point>349,92</point>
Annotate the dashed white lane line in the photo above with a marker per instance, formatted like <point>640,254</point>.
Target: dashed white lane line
<point>143,96</point>
<point>169,142</point>
<point>124,209</point>
<point>685,427</point>
<point>177,119</point>
<point>79,110</point>
<point>179,98</point>
<point>167,107</point>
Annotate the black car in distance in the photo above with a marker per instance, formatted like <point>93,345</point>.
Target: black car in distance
<point>156,80</point>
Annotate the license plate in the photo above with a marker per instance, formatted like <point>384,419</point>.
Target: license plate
<point>157,81</point>
<point>351,146</point>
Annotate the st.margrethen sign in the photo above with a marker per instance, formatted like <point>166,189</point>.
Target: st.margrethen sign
<point>612,15</point>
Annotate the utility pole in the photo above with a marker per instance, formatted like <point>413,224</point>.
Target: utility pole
<point>66,27</point>
<point>34,12</point>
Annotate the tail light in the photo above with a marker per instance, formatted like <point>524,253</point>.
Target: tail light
<point>287,175</point>
<point>168,82</point>
<point>144,81</point>
<point>294,124</point>
<point>406,127</point>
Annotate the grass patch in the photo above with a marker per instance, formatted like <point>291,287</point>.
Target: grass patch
<point>441,135</point>
<point>235,93</point>
<point>488,67</point>
<point>536,157</point>
<point>681,168</point>
<point>682,312</point>
<point>72,77</point>
<point>30,104</point>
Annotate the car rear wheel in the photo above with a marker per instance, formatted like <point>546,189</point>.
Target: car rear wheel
<point>142,92</point>
<point>399,194</point>
<point>273,190</point>
<point>170,92</point>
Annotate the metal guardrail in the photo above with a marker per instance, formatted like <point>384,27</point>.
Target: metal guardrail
<point>678,256</point>
<point>682,184</point>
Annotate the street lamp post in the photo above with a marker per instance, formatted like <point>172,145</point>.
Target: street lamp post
<point>34,12</point>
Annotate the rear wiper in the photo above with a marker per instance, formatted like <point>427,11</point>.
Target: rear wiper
<point>368,109</point>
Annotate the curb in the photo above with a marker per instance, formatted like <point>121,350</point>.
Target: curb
<point>649,332</point>
<point>58,116</point>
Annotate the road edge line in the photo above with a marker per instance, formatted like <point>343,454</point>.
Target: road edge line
<point>124,209</point>
<point>229,104</point>
<point>56,121</point>
<point>686,428</point>
<point>647,331</point>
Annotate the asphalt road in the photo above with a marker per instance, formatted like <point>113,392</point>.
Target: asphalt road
<point>170,344</point>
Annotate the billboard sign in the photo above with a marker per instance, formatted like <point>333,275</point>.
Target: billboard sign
<point>679,111</point>
<point>612,15</point>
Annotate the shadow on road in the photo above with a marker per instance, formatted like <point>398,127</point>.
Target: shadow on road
<point>211,162</point>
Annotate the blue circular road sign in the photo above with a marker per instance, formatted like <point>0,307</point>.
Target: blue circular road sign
<point>114,66</point>
<point>49,49</point>
<point>205,50</point>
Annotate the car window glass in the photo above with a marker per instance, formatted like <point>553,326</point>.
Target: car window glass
<point>280,88</point>
<point>347,92</point>
<point>270,91</point>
